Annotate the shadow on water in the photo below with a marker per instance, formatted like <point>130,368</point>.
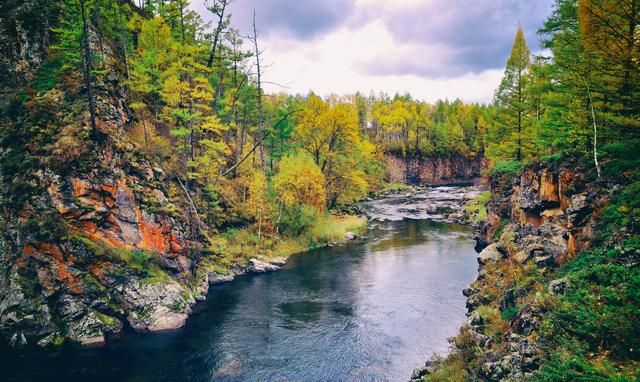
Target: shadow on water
<point>368,311</point>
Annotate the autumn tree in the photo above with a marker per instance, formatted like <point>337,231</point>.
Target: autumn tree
<point>300,181</point>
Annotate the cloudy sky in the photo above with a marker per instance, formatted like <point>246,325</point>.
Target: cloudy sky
<point>432,49</point>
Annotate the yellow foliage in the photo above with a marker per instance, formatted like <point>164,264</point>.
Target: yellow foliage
<point>153,143</point>
<point>257,203</point>
<point>300,181</point>
<point>330,133</point>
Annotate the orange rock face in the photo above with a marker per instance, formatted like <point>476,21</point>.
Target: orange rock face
<point>548,187</point>
<point>110,213</point>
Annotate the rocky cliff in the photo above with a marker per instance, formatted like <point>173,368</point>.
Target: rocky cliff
<point>537,221</point>
<point>25,33</point>
<point>94,235</point>
<point>437,170</point>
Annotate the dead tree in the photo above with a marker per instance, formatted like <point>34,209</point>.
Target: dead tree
<point>254,39</point>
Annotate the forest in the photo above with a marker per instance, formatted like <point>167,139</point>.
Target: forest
<point>278,173</point>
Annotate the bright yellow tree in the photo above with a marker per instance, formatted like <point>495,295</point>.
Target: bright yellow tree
<point>300,181</point>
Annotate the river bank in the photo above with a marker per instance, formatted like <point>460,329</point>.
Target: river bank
<point>334,313</point>
<point>548,248</point>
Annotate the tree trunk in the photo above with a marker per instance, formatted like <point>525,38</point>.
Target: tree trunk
<point>86,72</point>
<point>595,133</point>
<point>259,84</point>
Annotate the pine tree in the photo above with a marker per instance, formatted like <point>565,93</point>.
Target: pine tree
<point>512,99</point>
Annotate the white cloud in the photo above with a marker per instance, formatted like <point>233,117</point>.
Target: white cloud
<point>334,63</point>
<point>432,49</point>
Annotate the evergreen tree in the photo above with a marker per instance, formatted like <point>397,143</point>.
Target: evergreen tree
<point>512,99</point>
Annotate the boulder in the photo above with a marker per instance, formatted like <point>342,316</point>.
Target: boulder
<point>259,266</point>
<point>420,372</point>
<point>544,246</point>
<point>522,256</point>
<point>279,261</point>
<point>490,254</point>
<point>215,278</point>
<point>157,306</point>
<point>474,318</point>
<point>558,286</point>
<point>579,209</point>
<point>86,326</point>
<point>348,236</point>
<point>544,260</point>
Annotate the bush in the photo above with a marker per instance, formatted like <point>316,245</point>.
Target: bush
<point>507,168</point>
<point>298,219</point>
<point>477,208</point>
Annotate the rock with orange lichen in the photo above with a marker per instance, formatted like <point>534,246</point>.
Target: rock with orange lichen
<point>111,213</point>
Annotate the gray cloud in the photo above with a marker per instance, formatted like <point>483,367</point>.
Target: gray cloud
<point>478,34</point>
<point>475,35</point>
<point>300,19</point>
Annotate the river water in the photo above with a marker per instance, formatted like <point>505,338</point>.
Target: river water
<point>371,310</point>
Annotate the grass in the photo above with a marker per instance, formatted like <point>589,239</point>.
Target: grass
<point>333,228</point>
<point>237,246</point>
<point>394,187</point>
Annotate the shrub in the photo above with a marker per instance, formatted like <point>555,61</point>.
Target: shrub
<point>507,168</point>
<point>572,365</point>
<point>477,208</point>
<point>298,219</point>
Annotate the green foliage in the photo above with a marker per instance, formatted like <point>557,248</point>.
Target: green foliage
<point>477,208</point>
<point>621,159</point>
<point>46,78</point>
<point>298,219</point>
<point>571,364</point>
<point>509,313</point>
<point>513,136</point>
<point>497,234</point>
<point>507,168</point>
<point>622,212</point>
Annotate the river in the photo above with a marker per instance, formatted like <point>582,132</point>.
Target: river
<point>371,310</point>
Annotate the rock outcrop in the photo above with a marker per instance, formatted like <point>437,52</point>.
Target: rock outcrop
<point>536,221</point>
<point>437,170</point>
<point>25,32</point>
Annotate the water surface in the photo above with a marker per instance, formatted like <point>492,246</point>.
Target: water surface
<point>368,311</point>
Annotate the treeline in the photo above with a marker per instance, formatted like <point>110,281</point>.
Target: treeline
<point>404,125</point>
<point>583,97</point>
